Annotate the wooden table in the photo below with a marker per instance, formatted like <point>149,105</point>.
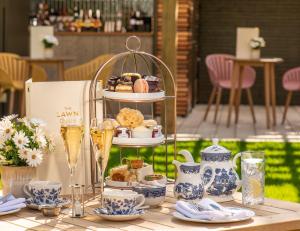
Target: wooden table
<point>268,65</point>
<point>274,215</point>
<point>56,61</point>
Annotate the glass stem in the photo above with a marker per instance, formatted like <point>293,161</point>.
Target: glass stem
<point>72,176</point>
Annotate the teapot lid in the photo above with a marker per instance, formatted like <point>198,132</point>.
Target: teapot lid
<point>215,148</point>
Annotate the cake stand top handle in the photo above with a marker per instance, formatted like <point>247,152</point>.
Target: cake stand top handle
<point>138,42</point>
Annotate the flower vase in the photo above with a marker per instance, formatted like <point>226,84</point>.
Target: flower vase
<point>48,53</point>
<point>255,54</point>
<point>14,178</point>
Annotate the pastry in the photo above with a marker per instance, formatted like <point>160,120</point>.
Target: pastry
<point>130,118</point>
<point>136,164</point>
<point>131,77</point>
<point>153,83</point>
<point>153,177</point>
<point>141,86</point>
<point>141,132</point>
<point>119,173</point>
<point>112,83</point>
<point>123,86</point>
<point>123,174</point>
<point>149,123</point>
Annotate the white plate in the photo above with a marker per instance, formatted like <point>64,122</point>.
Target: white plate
<point>138,141</point>
<point>9,212</point>
<point>118,184</point>
<point>120,217</point>
<point>153,96</point>
<point>250,214</point>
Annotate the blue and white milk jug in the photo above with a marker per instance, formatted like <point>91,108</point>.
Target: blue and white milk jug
<point>190,184</point>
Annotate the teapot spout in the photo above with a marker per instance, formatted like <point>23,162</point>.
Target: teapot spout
<point>188,156</point>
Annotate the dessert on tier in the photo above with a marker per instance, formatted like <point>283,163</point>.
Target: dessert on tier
<point>133,83</point>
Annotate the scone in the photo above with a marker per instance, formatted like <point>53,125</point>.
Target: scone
<point>130,118</point>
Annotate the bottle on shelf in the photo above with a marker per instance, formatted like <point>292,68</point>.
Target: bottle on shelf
<point>98,21</point>
<point>93,15</point>
<point>132,22</point>
<point>119,22</point>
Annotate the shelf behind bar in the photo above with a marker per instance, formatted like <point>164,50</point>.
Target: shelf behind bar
<point>103,33</point>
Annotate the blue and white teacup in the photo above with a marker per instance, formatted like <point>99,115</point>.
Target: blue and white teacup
<point>43,192</point>
<point>154,194</point>
<point>122,202</point>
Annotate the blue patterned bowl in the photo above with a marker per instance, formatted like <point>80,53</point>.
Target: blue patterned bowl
<point>154,195</point>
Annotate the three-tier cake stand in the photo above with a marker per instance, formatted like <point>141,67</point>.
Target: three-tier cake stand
<point>165,95</point>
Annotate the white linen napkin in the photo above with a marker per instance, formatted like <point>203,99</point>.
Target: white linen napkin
<point>9,203</point>
<point>207,209</point>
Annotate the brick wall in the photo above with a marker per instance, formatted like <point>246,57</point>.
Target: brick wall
<point>279,23</point>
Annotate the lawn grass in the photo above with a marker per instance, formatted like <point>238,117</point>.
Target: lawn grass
<point>282,163</point>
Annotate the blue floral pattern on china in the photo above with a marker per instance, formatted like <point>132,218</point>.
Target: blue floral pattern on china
<point>45,196</point>
<point>105,212</point>
<point>190,169</point>
<point>119,206</point>
<point>151,191</point>
<point>64,202</point>
<point>225,182</point>
<point>188,191</point>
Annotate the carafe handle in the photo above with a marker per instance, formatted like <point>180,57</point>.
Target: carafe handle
<point>235,159</point>
<point>203,168</point>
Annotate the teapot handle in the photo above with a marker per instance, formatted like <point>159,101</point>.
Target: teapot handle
<point>235,159</point>
<point>203,168</point>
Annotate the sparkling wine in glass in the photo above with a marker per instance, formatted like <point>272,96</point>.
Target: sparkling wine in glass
<point>101,137</point>
<point>72,136</point>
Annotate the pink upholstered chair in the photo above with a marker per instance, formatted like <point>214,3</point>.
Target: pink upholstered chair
<point>220,72</point>
<point>291,83</point>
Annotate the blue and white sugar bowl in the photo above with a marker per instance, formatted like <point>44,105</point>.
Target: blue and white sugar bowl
<point>226,180</point>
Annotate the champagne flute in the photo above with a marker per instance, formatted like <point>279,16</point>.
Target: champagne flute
<point>101,136</point>
<point>72,130</point>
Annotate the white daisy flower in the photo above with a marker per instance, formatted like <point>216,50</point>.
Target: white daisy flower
<point>40,138</point>
<point>10,117</point>
<point>25,121</point>
<point>23,153</point>
<point>20,139</point>
<point>42,141</point>
<point>34,158</point>
<point>38,122</point>
<point>6,128</point>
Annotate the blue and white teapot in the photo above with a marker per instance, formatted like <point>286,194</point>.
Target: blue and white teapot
<point>190,184</point>
<point>226,180</point>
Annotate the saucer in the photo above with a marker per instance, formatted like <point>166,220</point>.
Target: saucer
<point>63,202</point>
<point>103,213</point>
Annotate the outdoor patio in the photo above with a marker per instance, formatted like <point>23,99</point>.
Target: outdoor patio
<point>193,127</point>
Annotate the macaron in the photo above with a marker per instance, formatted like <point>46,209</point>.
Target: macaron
<point>141,86</point>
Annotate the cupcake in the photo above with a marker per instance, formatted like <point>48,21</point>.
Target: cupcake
<point>153,83</point>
